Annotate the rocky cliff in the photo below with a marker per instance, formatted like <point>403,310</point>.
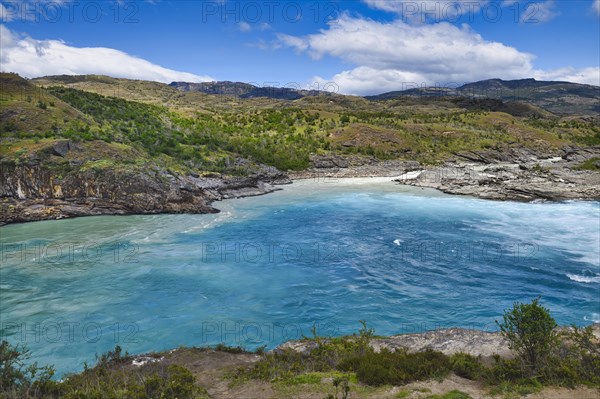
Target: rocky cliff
<point>63,179</point>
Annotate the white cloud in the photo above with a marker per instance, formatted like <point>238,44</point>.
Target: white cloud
<point>32,58</point>
<point>366,80</point>
<point>596,6</point>
<point>298,43</point>
<point>539,12</point>
<point>429,10</point>
<point>397,51</point>
<point>590,76</point>
<point>397,55</point>
<point>244,26</point>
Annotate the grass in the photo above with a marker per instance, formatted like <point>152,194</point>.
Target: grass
<point>319,377</point>
<point>451,395</point>
<point>575,359</point>
<point>590,164</point>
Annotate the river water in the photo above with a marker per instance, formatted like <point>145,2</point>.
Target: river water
<point>323,253</point>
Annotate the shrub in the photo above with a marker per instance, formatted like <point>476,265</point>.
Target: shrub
<point>529,329</point>
<point>230,349</point>
<point>17,379</point>
<point>396,368</point>
<point>451,395</point>
<point>578,358</point>
<point>467,366</point>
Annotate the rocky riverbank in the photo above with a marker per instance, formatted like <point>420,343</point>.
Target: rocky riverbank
<point>448,341</point>
<point>527,177</point>
<point>61,181</point>
<point>500,174</point>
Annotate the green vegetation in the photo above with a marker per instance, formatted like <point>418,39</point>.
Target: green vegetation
<point>544,358</point>
<point>451,395</point>
<point>530,331</point>
<point>109,379</point>
<point>16,378</point>
<point>467,366</point>
<point>590,164</point>
<point>203,133</point>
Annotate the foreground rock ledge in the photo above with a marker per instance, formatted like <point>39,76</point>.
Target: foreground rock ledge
<point>447,341</point>
<point>212,368</point>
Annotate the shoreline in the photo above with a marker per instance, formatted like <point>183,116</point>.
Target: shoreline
<point>524,180</point>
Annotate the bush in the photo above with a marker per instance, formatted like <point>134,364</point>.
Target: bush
<point>109,379</point>
<point>529,329</point>
<point>577,360</point>
<point>17,379</point>
<point>467,366</point>
<point>396,368</point>
<point>451,395</point>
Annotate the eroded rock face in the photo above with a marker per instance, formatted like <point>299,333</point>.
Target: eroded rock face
<point>32,191</point>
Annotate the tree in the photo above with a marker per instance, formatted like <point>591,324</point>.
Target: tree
<point>17,378</point>
<point>530,331</point>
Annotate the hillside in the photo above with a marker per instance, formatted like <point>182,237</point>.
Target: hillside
<point>117,135</point>
<point>431,128</point>
<point>560,98</point>
<point>28,111</point>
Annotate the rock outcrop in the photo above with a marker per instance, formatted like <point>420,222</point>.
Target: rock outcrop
<point>55,183</point>
<point>448,341</point>
<point>518,175</point>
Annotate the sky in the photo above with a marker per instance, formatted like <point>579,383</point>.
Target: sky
<point>357,47</point>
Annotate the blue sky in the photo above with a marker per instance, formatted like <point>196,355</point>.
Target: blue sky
<point>362,46</point>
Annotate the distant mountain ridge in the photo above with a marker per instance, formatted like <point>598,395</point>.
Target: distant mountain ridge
<point>561,98</point>
<point>246,90</point>
<point>511,96</point>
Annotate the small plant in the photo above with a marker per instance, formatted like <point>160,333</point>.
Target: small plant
<point>403,394</point>
<point>451,395</point>
<point>342,388</point>
<point>537,168</point>
<point>396,368</point>
<point>229,349</point>
<point>590,164</point>
<point>365,334</point>
<point>467,366</point>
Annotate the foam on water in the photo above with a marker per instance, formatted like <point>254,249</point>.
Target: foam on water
<point>584,279</point>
